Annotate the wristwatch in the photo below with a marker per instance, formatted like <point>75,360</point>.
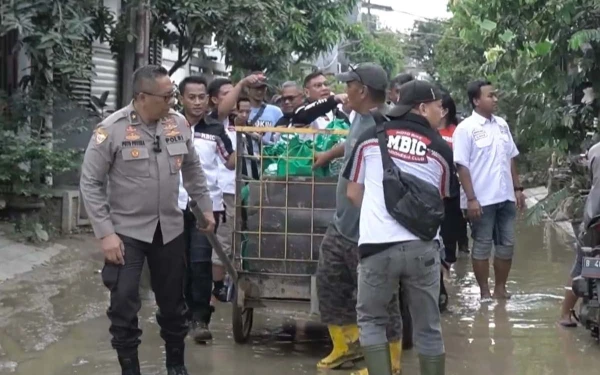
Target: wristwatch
<point>519,188</point>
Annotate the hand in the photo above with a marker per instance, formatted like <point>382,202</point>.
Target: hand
<point>252,79</point>
<point>341,98</point>
<point>209,220</point>
<point>113,249</point>
<point>320,160</point>
<point>520,197</point>
<point>474,210</point>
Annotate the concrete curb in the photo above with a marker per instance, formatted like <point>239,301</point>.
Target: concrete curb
<point>534,195</point>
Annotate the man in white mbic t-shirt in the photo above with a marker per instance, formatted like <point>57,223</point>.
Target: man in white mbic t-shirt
<point>390,253</point>
<point>484,153</point>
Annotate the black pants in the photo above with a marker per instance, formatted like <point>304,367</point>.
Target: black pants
<point>454,228</point>
<point>167,270</point>
<point>199,280</point>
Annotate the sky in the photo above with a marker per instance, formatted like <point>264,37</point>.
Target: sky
<point>418,9</point>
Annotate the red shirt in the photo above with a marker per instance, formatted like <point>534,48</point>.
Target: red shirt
<point>446,133</point>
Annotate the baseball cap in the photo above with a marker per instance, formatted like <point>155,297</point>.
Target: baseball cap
<point>369,74</point>
<point>412,94</point>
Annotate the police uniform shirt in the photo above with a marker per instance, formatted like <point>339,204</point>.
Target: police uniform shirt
<point>142,167</point>
<point>415,148</point>
<point>485,147</point>
<point>214,147</point>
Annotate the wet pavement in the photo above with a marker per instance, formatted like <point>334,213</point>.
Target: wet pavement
<point>52,322</point>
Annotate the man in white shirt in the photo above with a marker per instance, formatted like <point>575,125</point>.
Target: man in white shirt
<point>390,252</point>
<point>484,153</point>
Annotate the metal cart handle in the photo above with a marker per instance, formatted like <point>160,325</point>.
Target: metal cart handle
<point>214,242</point>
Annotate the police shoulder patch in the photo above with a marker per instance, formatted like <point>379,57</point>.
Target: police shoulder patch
<point>100,135</point>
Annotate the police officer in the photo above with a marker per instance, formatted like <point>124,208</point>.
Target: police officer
<point>139,152</point>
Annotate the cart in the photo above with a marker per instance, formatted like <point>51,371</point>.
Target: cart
<point>276,247</point>
<point>276,244</point>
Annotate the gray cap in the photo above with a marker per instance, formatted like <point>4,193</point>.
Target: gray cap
<point>369,74</point>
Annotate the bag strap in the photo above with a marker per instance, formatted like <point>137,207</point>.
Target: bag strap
<point>259,113</point>
<point>380,121</point>
<point>250,143</point>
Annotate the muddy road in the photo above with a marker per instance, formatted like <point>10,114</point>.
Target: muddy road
<point>52,322</point>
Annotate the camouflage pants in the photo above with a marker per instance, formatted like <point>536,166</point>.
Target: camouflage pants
<point>337,282</point>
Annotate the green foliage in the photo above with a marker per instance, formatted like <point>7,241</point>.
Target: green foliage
<point>383,47</point>
<point>537,213</point>
<point>538,53</point>
<point>421,43</point>
<point>56,35</point>
<point>26,158</point>
<point>257,35</point>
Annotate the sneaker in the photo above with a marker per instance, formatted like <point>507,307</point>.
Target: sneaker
<point>200,332</point>
<point>221,293</point>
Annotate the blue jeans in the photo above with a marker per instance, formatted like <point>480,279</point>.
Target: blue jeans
<point>495,229</point>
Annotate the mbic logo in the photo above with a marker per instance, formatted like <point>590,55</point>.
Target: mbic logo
<point>408,145</point>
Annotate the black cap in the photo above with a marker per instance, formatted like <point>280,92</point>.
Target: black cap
<point>369,74</point>
<point>412,94</point>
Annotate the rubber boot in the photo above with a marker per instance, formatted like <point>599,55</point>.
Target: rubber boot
<point>395,360</point>
<point>396,357</point>
<point>352,333</point>
<point>175,360</point>
<point>342,352</point>
<point>378,359</point>
<point>435,365</point>
<point>130,364</point>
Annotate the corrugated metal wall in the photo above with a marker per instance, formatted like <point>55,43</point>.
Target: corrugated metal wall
<point>105,77</point>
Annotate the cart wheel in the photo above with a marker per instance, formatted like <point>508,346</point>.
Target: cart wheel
<point>241,319</point>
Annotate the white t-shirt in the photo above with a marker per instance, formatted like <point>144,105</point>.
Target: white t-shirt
<point>416,149</point>
<point>486,148</point>
<point>226,177</point>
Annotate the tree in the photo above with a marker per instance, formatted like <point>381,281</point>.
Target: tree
<point>383,47</point>
<point>541,54</point>
<point>421,42</point>
<point>257,35</point>
<point>56,35</point>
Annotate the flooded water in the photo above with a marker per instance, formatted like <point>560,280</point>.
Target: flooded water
<point>52,322</point>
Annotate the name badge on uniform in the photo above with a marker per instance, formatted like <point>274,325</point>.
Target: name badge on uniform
<point>479,134</point>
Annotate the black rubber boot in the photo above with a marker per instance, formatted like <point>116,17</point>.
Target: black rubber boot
<point>378,359</point>
<point>175,360</point>
<point>130,364</point>
<point>433,365</point>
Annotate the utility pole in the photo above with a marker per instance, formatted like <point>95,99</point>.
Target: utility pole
<point>143,34</point>
<point>372,26</point>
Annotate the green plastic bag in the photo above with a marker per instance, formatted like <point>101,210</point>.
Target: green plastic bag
<point>298,160</point>
<point>325,142</point>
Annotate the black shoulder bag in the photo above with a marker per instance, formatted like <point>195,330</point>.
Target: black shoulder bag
<point>411,201</point>
<point>250,147</point>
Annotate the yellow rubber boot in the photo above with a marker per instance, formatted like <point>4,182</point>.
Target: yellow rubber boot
<point>352,333</point>
<point>396,359</point>
<point>341,352</point>
<point>396,355</point>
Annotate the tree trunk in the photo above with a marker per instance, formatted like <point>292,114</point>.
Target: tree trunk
<point>49,111</point>
<point>143,34</point>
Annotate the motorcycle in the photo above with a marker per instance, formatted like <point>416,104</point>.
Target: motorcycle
<point>587,285</point>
